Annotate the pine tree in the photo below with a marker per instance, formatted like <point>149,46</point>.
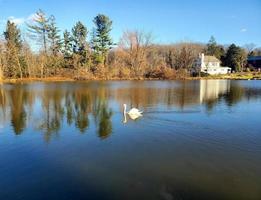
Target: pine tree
<point>13,35</point>
<point>67,44</point>
<point>54,37</point>
<point>79,35</point>
<point>211,46</point>
<point>235,58</point>
<point>79,45</point>
<point>40,28</point>
<point>214,49</point>
<point>13,49</point>
<point>101,41</point>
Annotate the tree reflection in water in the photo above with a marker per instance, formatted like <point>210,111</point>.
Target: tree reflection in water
<point>104,124</point>
<point>75,104</point>
<point>18,99</point>
<point>53,112</point>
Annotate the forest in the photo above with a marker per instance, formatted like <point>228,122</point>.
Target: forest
<point>88,54</point>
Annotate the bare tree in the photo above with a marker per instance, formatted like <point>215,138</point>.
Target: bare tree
<point>249,47</point>
<point>136,45</point>
<point>185,54</point>
<point>1,60</point>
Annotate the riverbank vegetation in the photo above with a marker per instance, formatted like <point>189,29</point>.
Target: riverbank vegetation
<point>44,52</point>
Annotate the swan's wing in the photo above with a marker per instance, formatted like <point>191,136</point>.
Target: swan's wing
<point>139,112</point>
<point>134,111</point>
<point>134,117</point>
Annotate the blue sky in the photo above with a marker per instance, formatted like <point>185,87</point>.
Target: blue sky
<point>170,21</point>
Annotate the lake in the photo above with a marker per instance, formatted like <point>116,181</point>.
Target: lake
<point>66,140</point>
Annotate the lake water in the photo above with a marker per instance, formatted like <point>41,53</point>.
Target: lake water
<point>196,140</point>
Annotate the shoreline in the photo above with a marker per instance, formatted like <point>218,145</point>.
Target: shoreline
<point>236,76</point>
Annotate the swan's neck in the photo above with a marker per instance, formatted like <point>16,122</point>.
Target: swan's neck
<point>125,109</point>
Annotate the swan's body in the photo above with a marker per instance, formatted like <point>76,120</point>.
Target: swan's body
<point>134,113</point>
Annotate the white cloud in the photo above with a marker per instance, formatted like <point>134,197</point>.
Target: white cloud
<point>243,30</point>
<point>17,21</point>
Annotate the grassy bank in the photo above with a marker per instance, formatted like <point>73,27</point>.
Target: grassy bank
<point>61,79</point>
<point>234,76</point>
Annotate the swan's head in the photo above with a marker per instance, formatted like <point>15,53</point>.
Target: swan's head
<point>124,105</point>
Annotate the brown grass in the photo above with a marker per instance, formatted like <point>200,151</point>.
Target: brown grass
<point>158,74</point>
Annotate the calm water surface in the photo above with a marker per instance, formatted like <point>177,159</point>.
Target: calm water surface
<point>196,140</point>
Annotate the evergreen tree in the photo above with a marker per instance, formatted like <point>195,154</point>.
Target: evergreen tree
<point>67,44</point>
<point>101,41</point>
<point>54,37</point>
<point>40,28</point>
<point>13,35</point>
<point>79,45</point>
<point>235,58</point>
<point>13,49</point>
<point>79,35</point>
<point>213,49</point>
<point>211,46</point>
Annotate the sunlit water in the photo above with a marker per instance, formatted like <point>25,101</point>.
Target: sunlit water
<point>196,140</point>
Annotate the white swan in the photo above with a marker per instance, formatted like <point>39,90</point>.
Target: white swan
<point>134,113</point>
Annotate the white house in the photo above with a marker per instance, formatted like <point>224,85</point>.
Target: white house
<point>210,65</point>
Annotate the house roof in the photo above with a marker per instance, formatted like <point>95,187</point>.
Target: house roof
<point>208,59</point>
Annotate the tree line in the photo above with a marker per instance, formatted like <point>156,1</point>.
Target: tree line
<point>70,54</point>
